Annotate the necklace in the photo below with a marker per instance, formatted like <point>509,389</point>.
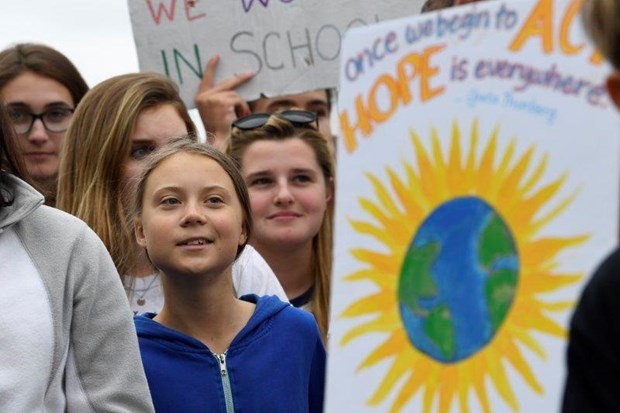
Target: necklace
<point>141,300</point>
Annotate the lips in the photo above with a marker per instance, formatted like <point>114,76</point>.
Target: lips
<point>284,215</point>
<point>193,242</point>
<point>39,154</point>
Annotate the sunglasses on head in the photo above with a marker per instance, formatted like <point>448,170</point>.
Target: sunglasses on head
<point>296,117</point>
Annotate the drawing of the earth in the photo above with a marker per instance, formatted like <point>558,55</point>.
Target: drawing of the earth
<point>458,279</point>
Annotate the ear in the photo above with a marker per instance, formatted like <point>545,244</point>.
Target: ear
<point>613,87</point>
<point>329,191</point>
<point>138,231</point>
<point>243,236</point>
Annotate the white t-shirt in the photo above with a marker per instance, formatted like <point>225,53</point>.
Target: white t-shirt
<point>250,272</point>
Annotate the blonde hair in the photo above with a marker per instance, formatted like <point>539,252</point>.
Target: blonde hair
<point>601,19</point>
<point>97,144</point>
<point>277,128</point>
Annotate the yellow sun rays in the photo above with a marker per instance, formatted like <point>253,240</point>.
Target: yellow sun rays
<point>513,185</point>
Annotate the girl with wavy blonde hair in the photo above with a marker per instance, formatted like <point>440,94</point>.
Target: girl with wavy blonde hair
<point>289,170</point>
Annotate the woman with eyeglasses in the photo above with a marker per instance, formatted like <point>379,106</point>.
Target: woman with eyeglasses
<point>41,88</point>
<point>289,171</point>
<point>117,125</point>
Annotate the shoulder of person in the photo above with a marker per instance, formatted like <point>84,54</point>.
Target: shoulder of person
<point>54,223</point>
<point>598,302</point>
<point>304,321</point>
<point>61,243</point>
<point>606,277</point>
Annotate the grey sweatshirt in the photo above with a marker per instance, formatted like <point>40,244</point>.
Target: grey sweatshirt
<point>67,340</point>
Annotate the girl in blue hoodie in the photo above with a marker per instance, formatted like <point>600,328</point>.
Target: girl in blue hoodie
<point>208,350</point>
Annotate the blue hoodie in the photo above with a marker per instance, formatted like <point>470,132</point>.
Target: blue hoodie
<point>275,364</point>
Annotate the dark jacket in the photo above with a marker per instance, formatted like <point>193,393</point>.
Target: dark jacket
<point>593,382</point>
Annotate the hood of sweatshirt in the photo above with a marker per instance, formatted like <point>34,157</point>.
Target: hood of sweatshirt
<point>26,201</point>
<point>267,307</point>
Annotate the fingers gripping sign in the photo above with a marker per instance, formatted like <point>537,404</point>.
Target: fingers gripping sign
<point>219,104</point>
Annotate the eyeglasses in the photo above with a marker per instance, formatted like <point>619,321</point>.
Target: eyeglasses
<point>296,117</point>
<point>53,119</point>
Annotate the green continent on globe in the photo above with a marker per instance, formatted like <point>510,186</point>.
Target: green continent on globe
<point>416,281</point>
<point>499,291</point>
<point>494,242</point>
<point>440,330</point>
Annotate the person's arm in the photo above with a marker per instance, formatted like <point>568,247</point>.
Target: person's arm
<point>219,104</point>
<point>104,371</point>
<point>316,392</point>
<point>593,357</point>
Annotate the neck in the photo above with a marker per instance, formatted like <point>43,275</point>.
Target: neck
<point>48,188</point>
<point>293,267</point>
<point>143,265</point>
<point>204,308</point>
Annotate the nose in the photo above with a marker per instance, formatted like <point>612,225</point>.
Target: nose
<point>37,135</point>
<point>283,194</point>
<point>194,215</point>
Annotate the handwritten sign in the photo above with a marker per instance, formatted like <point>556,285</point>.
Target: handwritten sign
<point>291,45</point>
<point>473,143</point>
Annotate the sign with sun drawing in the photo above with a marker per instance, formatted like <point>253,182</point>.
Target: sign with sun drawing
<point>477,190</point>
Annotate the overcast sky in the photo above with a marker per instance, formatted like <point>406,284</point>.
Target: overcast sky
<point>95,34</point>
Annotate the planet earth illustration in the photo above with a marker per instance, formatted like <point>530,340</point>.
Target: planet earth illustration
<point>458,279</point>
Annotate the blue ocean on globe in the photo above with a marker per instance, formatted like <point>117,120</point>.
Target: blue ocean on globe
<point>458,279</point>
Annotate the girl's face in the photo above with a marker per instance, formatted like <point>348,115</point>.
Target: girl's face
<point>155,127</point>
<point>191,220</point>
<point>288,192</point>
<point>30,93</point>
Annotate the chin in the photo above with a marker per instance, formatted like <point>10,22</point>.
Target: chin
<point>287,241</point>
<point>42,176</point>
<point>200,271</point>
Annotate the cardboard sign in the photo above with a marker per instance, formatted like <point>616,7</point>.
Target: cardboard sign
<point>477,190</point>
<point>291,45</point>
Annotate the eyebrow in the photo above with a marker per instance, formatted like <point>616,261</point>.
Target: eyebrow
<point>257,173</point>
<point>294,171</point>
<point>283,104</point>
<point>304,170</point>
<point>317,103</point>
<point>175,188</point>
<point>59,103</point>
<point>280,103</point>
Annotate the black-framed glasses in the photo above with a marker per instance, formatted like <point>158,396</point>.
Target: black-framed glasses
<point>296,117</point>
<point>53,119</point>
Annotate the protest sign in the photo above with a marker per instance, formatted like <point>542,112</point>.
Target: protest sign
<point>291,45</point>
<point>477,189</point>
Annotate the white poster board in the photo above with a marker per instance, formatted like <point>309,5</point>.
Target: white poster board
<point>477,190</point>
<point>291,45</point>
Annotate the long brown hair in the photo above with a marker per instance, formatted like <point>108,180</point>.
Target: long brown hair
<point>10,159</point>
<point>96,146</point>
<point>277,128</point>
